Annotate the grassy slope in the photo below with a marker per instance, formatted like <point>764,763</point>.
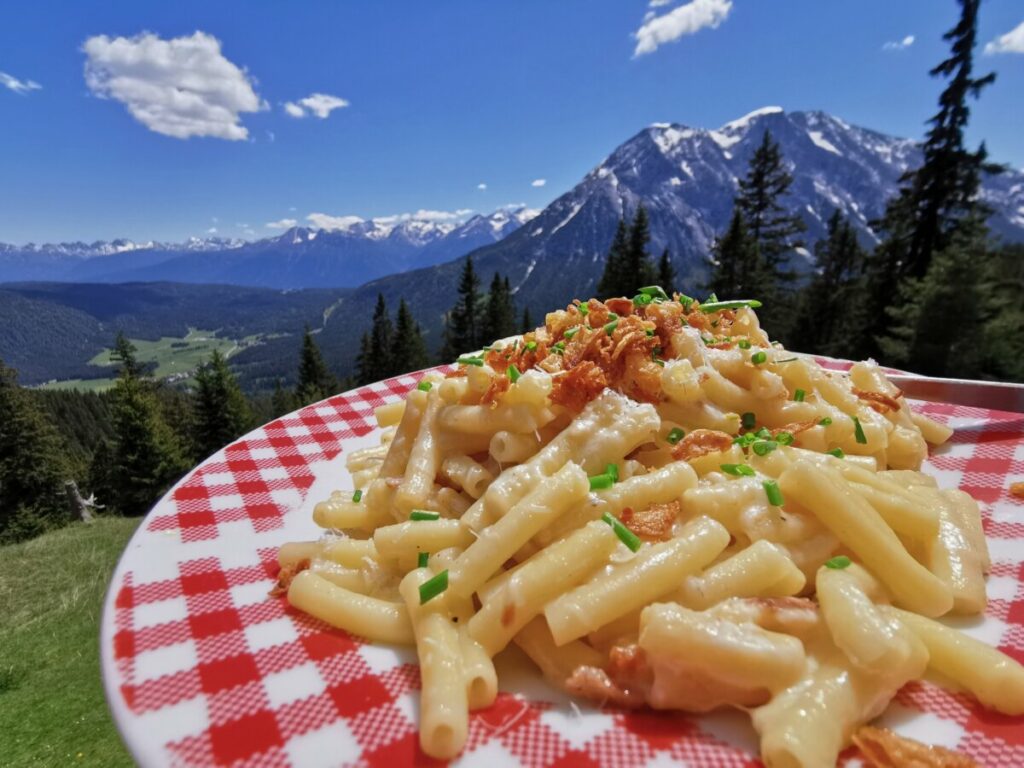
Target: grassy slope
<point>52,710</point>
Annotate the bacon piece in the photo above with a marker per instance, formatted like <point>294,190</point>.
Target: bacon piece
<point>796,427</point>
<point>653,523</point>
<point>701,442</point>
<point>884,749</point>
<point>285,576</point>
<point>597,313</point>
<point>578,386</point>
<point>1017,489</point>
<point>499,385</point>
<point>877,400</point>
<point>620,306</point>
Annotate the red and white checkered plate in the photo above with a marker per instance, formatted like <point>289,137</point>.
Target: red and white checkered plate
<point>202,668</point>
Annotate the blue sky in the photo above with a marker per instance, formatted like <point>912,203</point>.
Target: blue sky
<point>441,98</point>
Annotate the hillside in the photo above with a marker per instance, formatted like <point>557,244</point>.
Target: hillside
<point>686,177</point>
<point>52,330</point>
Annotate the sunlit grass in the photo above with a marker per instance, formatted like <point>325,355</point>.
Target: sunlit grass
<point>52,710</point>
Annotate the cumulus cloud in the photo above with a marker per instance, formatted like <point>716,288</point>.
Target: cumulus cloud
<point>282,224</point>
<point>481,186</point>
<point>1011,42</point>
<point>180,87</point>
<point>658,3</point>
<point>319,104</point>
<point>328,221</point>
<point>18,86</point>
<point>899,45</point>
<point>211,231</point>
<point>685,20</point>
<point>538,182</point>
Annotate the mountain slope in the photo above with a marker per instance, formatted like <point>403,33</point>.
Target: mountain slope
<point>349,254</point>
<point>687,178</point>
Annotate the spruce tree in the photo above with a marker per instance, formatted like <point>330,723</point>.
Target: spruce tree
<point>147,456</point>
<point>827,302</point>
<point>282,401</point>
<point>733,261</point>
<point>221,413</point>
<point>32,467</point>
<point>526,324</point>
<point>1002,285</point>
<point>408,350</point>
<point>614,276</point>
<point>638,266</point>
<point>315,381</point>
<point>374,362</point>
<point>464,331</point>
<point>500,312</point>
<point>666,273</point>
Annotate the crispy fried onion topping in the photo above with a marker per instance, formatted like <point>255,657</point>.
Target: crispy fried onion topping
<point>884,749</point>
<point>701,442</point>
<point>285,576</point>
<point>877,400</point>
<point>653,523</point>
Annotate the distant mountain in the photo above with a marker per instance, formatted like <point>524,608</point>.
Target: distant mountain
<point>348,255</point>
<point>687,178</point>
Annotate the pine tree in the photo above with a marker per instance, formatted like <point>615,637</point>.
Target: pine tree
<point>944,190</point>
<point>282,401</point>
<point>32,469</point>
<point>734,260</point>
<point>147,456</point>
<point>638,266</point>
<point>408,350</point>
<point>526,324</point>
<point>614,276</point>
<point>315,381</point>
<point>500,312</point>
<point>1002,286</point>
<point>464,332</point>
<point>774,233</point>
<point>827,302</point>
<point>374,362</point>
<point>221,413</point>
<point>666,273</point>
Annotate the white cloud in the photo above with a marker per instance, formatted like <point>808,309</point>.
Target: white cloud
<point>211,231</point>
<point>538,182</point>
<point>899,45</point>
<point>1011,42</point>
<point>179,87</point>
<point>18,86</point>
<point>481,186</point>
<point>685,20</point>
<point>658,3</point>
<point>282,224</point>
<point>320,104</point>
<point>326,221</point>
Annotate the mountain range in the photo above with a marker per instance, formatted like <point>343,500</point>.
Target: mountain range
<point>348,253</point>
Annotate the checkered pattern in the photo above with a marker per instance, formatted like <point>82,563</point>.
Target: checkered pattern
<point>205,669</point>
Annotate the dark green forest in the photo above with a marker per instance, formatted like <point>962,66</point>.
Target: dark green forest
<point>937,295</point>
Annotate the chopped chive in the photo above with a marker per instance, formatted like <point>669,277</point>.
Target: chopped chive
<point>659,361</point>
<point>744,343</point>
<point>858,431</point>
<point>421,559</point>
<point>784,438</point>
<point>748,420</point>
<point>570,332</point>
<point>612,470</point>
<point>601,482</point>
<point>838,562</point>
<point>433,586</point>
<point>837,452</point>
<point>771,489</point>
<point>675,435</point>
<point>764,447</point>
<point>649,332</point>
<point>686,301</point>
<point>531,346</point>
<point>826,421</point>
<point>654,290</point>
<point>759,357</point>
<point>799,395</point>
<point>559,347</point>
<point>584,309</point>
<point>357,496</point>
<point>787,360</point>
<point>423,514</point>
<point>513,373</point>
<point>470,361</point>
<point>642,300</point>
<point>613,316</point>
<point>718,306</point>
<point>610,327</point>
<point>763,433</point>
<point>424,386</point>
<point>712,298</point>
<point>738,469</point>
<point>625,535</point>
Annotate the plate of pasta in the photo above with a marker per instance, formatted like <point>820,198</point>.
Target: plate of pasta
<point>641,534</point>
